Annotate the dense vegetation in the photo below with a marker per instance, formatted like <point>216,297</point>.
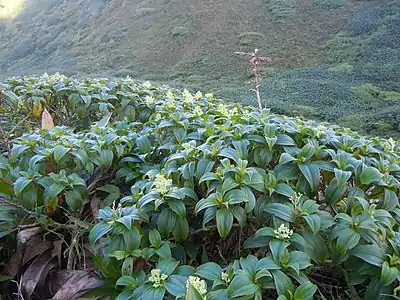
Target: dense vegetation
<point>178,195</point>
<point>332,60</point>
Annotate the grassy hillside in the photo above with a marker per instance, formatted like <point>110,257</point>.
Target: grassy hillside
<point>335,60</point>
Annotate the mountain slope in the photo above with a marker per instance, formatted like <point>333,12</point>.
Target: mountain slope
<point>322,50</point>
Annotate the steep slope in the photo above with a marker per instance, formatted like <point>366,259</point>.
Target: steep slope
<point>322,50</point>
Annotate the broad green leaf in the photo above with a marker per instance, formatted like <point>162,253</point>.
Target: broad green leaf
<point>265,231</point>
<point>205,203</point>
<point>341,177</point>
<point>210,271</point>
<point>155,238</point>
<point>20,184</point>
<point>224,219</point>
<point>113,191</point>
<point>256,242</point>
<point>267,263</point>
<point>164,251</point>
<point>388,274</point>
<point>184,271</point>
<point>315,247</point>
<point>348,239</point>
<point>284,286</point>
<point>300,258</point>
<point>98,231</point>
<point>284,189</point>
<point>152,293</point>
<point>104,121</point>
<point>285,158</point>
<point>281,211</point>
<point>127,267</point>
<point>390,200</point>
<point>249,264</point>
<point>74,199</point>
<point>305,291</point>
<point>131,238</point>
<point>167,266</point>
<point>230,153</point>
<point>126,221</point>
<point>369,175</point>
<point>180,230</point>
<point>178,207</point>
<point>106,158</point>
<point>285,140</point>
<point>235,197</point>
<point>240,215</point>
<point>228,184</point>
<point>251,199</point>
<point>334,193</point>
<point>166,222</point>
<point>176,285</point>
<point>371,254</point>
<point>314,222</point>
<point>129,281</point>
<point>241,285</point>
<point>143,144</point>
<point>311,173</point>
<point>277,248</point>
<point>55,189</point>
<point>59,152</point>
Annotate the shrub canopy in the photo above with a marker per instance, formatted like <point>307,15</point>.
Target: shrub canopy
<point>187,196</point>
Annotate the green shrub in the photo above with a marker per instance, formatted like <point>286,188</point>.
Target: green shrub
<point>328,4</point>
<point>180,31</point>
<point>146,10</point>
<point>370,92</point>
<point>201,199</point>
<point>250,38</point>
<point>281,9</point>
<point>342,68</point>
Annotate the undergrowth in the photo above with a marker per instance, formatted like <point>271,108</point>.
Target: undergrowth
<point>172,194</point>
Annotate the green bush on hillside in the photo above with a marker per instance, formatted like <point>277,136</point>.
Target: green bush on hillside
<point>190,197</point>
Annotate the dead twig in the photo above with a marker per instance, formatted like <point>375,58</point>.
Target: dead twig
<point>256,61</point>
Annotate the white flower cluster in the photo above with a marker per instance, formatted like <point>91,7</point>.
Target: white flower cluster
<point>170,95</point>
<point>390,144</point>
<point>188,146</point>
<point>209,96</point>
<point>321,130</point>
<point>157,278</point>
<point>188,97</point>
<point>149,100</point>
<point>147,85</point>
<point>225,277</point>
<point>198,95</point>
<point>162,184</point>
<point>227,112</point>
<point>171,98</point>
<point>198,111</point>
<point>283,232</point>
<point>198,284</point>
<point>53,77</point>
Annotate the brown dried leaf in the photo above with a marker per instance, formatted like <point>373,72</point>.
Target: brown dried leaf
<point>33,274</point>
<point>47,120</point>
<point>34,247</point>
<point>79,283</point>
<point>43,281</point>
<point>57,245</point>
<point>14,265</point>
<point>95,206</point>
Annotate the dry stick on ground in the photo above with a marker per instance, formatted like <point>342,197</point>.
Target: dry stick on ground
<point>256,61</point>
